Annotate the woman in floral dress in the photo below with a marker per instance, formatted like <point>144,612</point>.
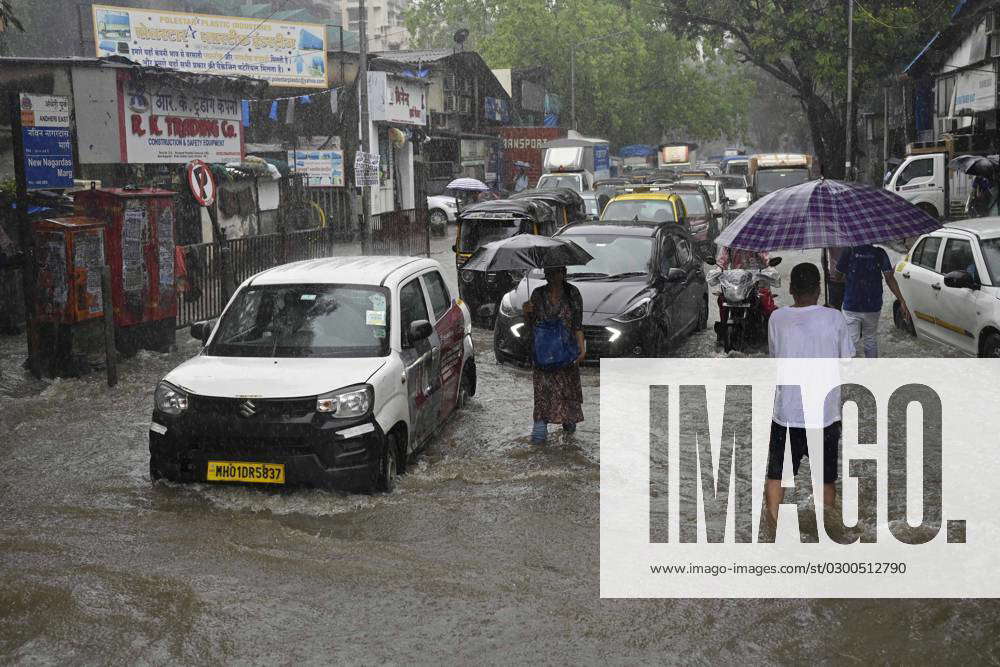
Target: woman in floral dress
<point>558,393</point>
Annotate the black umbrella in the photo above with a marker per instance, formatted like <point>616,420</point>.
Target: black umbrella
<point>974,165</point>
<point>527,251</point>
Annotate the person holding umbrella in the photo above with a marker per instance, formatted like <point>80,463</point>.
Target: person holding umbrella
<point>554,316</point>
<point>558,392</point>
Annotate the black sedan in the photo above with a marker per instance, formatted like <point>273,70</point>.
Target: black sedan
<point>644,290</point>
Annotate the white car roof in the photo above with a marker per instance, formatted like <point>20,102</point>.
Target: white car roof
<point>357,270</point>
<point>983,227</point>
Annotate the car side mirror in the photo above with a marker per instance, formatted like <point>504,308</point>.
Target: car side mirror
<point>960,279</point>
<point>676,275</point>
<point>420,330</point>
<point>774,261</point>
<point>454,248</point>
<point>730,202</point>
<point>202,330</point>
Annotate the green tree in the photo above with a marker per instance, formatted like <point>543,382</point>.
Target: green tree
<point>803,44</point>
<point>636,81</point>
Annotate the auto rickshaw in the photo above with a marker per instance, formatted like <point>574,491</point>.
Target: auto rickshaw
<point>491,221</point>
<point>568,204</point>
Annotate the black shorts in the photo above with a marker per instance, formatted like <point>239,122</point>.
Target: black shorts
<point>776,451</point>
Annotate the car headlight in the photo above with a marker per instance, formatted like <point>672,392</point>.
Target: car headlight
<point>506,307</point>
<point>169,399</point>
<point>636,311</point>
<point>468,276</point>
<point>353,401</point>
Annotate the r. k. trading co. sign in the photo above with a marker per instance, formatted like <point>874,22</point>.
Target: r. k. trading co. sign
<point>161,123</point>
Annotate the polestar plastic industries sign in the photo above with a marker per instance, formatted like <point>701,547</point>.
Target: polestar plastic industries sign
<point>283,53</point>
<point>48,143</point>
<point>322,169</point>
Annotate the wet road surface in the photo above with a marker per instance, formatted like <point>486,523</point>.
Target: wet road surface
<point>486,553</point>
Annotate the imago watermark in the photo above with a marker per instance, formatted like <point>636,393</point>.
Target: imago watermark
<point>896,494</point>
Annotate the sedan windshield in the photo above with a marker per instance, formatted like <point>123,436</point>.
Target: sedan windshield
<point>614,256</point>
<point>644,210</point>
<point>304,321</point>
<point>991,252</point>
<point>733,182</point>
<point>477,232</point>
<point>770,180</point>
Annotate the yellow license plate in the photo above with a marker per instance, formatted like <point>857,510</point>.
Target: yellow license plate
<point>241,471</point>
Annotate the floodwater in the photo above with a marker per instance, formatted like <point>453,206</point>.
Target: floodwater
<point>486,553</point>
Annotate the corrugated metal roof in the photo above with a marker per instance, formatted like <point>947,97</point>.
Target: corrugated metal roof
<point>415,56</point>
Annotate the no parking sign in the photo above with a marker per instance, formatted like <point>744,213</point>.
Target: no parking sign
<point>201,182</point>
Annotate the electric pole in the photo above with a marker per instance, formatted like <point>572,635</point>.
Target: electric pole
<point>362,82</point>
<point>848,154</point>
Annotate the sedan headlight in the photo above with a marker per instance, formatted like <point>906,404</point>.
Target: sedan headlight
<point>169,399</point>
<point>636,311</point>
<point>353,401</point>
<point>506,307</point>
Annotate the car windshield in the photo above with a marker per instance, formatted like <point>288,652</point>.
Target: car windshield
<point>694,203</point>
<point>991,252</point>
<point>304,321</point>
<point>571,181</point>
<point>733,182</point>
<point>738,167</point>
<point>770,180</point>
<point>645,210</point>
<point>477,232</point>
<point>614,256</point>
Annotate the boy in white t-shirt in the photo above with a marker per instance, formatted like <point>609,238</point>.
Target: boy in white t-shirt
<point>805,331</point>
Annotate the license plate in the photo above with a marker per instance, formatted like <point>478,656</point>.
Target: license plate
<point>241,471</point>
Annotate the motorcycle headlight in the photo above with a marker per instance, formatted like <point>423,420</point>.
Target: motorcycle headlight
<point>506,306</point>
<point>636,311</point>
<point>516,275</point>
<point>348,402</point>
<point>169,399</point>
<point>468,276</point>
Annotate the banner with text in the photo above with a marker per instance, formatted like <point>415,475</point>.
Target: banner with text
<point>283,53</point>
<point>163,124</point>
<point>322,169</point>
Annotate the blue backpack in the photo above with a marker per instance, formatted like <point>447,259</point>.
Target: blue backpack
<point>554,345</point>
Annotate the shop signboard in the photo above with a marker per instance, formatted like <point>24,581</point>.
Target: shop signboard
<point>48,145</point>
<point>394,99</point>
<point>283,53</point>
<point>163,124</point>
<point>322,169</point>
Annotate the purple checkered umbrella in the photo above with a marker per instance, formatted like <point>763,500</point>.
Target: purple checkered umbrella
<point>825,214</point>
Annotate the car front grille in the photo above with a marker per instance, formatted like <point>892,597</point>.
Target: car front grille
<point>251,408</point>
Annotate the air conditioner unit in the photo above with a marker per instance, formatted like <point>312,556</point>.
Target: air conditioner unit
<point>450,103</point>
<point>449,81</point>
<point>947,124</point>
<point>466,105</point>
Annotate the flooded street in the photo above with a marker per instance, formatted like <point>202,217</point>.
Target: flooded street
<point>487,552</point>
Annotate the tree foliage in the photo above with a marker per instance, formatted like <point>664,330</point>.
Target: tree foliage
<point>636,81</point>
<point>803,44</point>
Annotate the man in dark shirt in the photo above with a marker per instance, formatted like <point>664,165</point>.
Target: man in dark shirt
<point>864,267</point>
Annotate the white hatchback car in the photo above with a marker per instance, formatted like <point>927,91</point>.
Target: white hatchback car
<point>951,282</point>
<point>328,372</point>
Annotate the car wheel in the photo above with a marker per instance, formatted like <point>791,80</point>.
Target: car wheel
<point>901,323</point>
<point>703,315</point>
<point>439,222</point>
<point>156,470</point>
<point>929,210</point>
<point>388,465</point>
<point>465,387</point>
<point>657,342</point>
<point>991,346</point>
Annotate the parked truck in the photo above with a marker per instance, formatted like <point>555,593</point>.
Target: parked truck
<point>767,172</point>
<point>524,146</point>
<point>924,179</point>
<point>575,162</point>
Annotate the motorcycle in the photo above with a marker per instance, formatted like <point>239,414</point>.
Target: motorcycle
<point>746,321</point>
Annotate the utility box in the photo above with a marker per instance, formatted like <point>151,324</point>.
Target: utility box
<point>70,260</point>
<point>139,246</point>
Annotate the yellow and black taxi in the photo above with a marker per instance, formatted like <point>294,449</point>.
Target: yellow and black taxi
<point>645,204</point>
<point>492,221</point>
